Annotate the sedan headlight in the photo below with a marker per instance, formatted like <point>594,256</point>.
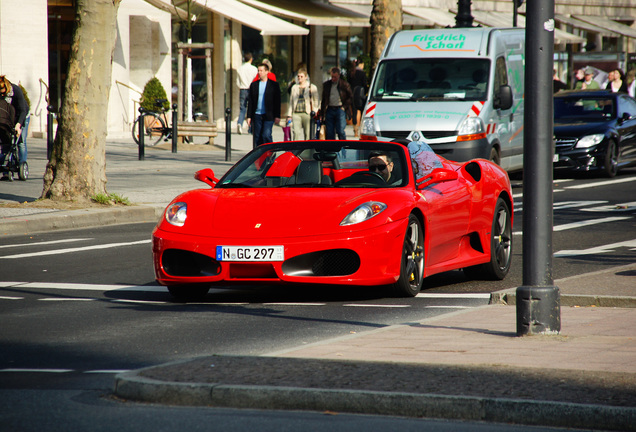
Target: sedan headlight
<point>590,140</point>
<point>363,212</point>
<point>176,213</point>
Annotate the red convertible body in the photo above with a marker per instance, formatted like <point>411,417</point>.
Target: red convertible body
<point>313,212</point>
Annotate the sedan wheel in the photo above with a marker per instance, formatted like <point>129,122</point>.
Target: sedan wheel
<point>412,268</point>
<point>610,165</point>
<point>500,247</point>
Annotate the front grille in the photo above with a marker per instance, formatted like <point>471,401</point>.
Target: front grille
<point>334,262</point>
<point>177,262</point>
<point>427,134</point>
<point>565,143</point>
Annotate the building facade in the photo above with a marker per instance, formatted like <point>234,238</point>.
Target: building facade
<point>35,42</point>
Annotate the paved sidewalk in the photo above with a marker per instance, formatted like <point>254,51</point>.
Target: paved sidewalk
<point>464,365</point>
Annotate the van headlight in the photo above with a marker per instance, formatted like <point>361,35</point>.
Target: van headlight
<point>368,126</point>
<point>590,140</point>
<point>472,128</point>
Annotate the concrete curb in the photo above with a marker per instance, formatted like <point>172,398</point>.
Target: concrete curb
<point>509,297</point>
<point>83,218</point>
<point>130,385</point>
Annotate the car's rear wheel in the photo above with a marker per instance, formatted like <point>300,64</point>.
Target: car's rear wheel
<point>185,293</point>
<point>500,247</point>
<point>412,266</point>
<point>494,156</point>
<point>610,164</point>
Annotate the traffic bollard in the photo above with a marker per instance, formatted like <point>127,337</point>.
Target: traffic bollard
<point>49,131</point>
<point>175,131</point>
<point>312,125</point>
<point>228,134</point>
<point>141,129</point>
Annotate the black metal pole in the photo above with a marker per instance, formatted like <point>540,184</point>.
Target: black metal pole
<point>175,129</point>
<point>49,131</point>
<point>463,18</point>
<point>312,125</point>
<point>538,300</point>
<point>228,134</point>
<point>142,131</point>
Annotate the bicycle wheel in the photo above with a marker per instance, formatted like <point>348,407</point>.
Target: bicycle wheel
<point>154,127</point>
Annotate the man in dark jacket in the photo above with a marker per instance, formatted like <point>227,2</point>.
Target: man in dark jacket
<point>263,109</point>
<point>336,106</point>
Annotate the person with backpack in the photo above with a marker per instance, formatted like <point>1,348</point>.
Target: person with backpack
<point>358,83</point>
<point>13,114</point>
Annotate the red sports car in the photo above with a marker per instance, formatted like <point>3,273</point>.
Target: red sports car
<point>336,212</point>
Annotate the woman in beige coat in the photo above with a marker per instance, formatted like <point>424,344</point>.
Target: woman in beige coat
<point>302,101</point>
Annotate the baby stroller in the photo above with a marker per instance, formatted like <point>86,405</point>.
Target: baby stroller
<point>11,163</point>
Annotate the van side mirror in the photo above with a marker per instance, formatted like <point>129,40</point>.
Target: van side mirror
<point>503,98</point>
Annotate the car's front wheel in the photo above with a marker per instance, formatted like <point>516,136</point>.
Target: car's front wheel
<point>610,164</point>
<point>500,247</point>
<point>412,266</point>
<point>186,293</point>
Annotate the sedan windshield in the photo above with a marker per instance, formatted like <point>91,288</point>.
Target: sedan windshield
<point>583,109</point>
<point>320,164</point>
<point>431,79</point>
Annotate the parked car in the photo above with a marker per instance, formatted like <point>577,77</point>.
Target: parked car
<point>336,212</point>
<point>594,131</point>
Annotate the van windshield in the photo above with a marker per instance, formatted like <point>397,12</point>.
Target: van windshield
<point>431,79</point>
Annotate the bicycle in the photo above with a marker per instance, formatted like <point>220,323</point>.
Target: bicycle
<point>155,125</point>
<point>12,162</point>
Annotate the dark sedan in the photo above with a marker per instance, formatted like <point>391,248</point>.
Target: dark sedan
<point>594,131</point>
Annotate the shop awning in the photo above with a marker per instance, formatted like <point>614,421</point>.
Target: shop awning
<point>609,24</point>
<point>252,17</point>
<point>166,7</point>
<point>312,13</point>
<point>440,17</point>
<point>583,25</point>
<point>504,19</point>
<point>365,10</point>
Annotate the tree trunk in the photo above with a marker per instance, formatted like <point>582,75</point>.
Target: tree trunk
<point>77,168</point>
<point>386,19</point>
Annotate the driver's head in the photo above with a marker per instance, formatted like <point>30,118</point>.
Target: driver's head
<point>381,163</point>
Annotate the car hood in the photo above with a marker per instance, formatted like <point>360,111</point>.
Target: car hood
<point>580,129</point>
<point>287,212</point>
<point>422,116</point>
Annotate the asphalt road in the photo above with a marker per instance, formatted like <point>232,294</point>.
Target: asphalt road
<point>91,308</point>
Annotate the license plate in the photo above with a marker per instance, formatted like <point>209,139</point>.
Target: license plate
<point>250,253</point>
<point>555,158</point>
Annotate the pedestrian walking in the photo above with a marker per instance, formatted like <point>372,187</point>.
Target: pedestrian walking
<point>336,106</point>
<point>263,109</point>
<point>244,77</point>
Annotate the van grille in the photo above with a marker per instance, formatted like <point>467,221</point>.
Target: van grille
<point>427,134</point>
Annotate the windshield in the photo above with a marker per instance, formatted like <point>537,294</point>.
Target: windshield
<point>431,79</point>
<point>320,164</point>
<point>583,109</point>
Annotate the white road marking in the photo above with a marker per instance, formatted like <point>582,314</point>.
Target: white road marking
<point>138,301</point>
<point>20,370</point>
<point>294,304</point>
<point>45,243</point>
<point>601,183</point>
<point>375,305</point>
<point>79,249</point>
<point>454,296</point>
<point>11,298</point>
<point>580,224</point>
<point>81,287</point>
<point>598,249</point>
<point>60,299</point>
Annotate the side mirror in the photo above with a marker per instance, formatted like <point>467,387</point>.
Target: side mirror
<point>503,98</point>
<point>626,116</point>
<point>438,175</point>
<point>206,175</point>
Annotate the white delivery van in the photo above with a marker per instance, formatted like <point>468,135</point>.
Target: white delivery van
<point>460,90</point>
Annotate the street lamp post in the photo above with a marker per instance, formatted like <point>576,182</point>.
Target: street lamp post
<point>538,300</point>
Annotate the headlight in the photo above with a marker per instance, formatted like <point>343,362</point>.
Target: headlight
<point>363,212</point>
<point>590,140</point>
<point>176,213</point>
<point>368,126</point>
<point>472,128</point>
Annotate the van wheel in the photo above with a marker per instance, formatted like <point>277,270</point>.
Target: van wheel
<point>494,156</point>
